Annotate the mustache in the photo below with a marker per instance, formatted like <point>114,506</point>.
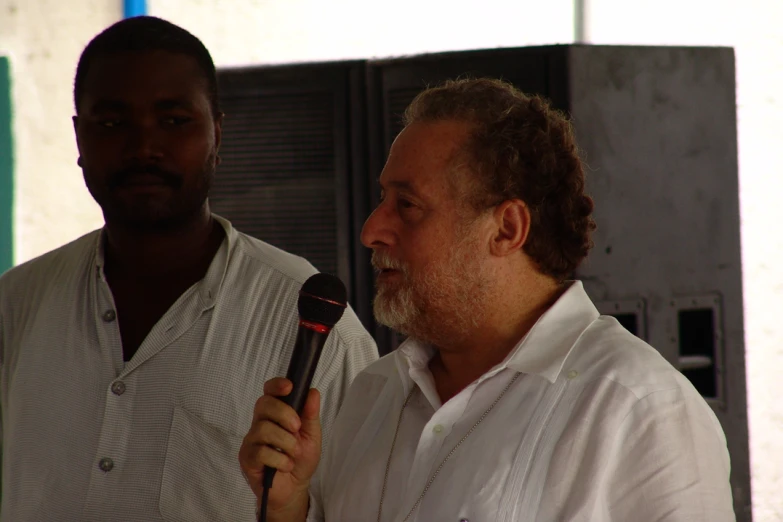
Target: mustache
<point>383,261</point>
<point>121,177</point>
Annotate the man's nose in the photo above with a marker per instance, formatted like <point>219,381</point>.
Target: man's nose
<point>144,143</point>
<point>377,230</point>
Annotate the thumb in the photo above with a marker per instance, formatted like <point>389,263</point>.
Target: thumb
<point>311,413</point>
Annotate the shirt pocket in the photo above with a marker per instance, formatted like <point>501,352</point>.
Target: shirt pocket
<point>202,480</point>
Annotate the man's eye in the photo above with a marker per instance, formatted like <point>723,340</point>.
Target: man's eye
<point>404,203</point>
<point>110,123</point>
<point>176,120</point>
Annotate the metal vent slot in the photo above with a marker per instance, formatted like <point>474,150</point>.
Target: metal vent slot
<point>277,178</point>
<point>697,335</point>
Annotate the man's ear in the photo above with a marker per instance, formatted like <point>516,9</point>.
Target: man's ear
<point>219,130</point>
<point>512,226</point>
<point>75,120</point>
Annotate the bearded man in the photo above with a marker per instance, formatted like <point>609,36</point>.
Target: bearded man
<point>512,398</point>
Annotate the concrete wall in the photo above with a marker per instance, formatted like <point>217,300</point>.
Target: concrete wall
<point>43,39</point>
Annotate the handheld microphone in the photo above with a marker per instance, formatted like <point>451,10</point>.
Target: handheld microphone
<point>322,301</point>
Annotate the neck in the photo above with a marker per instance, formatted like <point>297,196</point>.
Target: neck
<point>158,253</point>
<point>510,317</point>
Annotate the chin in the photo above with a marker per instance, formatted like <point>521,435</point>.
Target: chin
<point>390,311</point>
<point>145,221</point>
<point>151,215</point>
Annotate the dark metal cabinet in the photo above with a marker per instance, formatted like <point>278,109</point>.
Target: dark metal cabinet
<point>293,164</point>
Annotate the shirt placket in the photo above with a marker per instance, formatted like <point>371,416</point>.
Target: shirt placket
<point>111,452</point>
<point>435,442</point>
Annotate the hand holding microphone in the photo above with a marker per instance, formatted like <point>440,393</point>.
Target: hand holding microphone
<point>281,450</point>
<point>281,439</point>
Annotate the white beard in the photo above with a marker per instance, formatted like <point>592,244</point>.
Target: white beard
<point>438,303</point>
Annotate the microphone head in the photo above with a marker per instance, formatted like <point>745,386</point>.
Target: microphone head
<point>322,300</point>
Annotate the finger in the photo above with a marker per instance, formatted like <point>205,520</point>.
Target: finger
<point>273,409</point>
<point>279,387</point>
<point>247,459</point>
<point>267,433</point>
<point>259,456</point>
<point>310,419</point>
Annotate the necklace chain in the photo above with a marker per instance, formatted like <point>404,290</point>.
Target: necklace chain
<point>437,471</point>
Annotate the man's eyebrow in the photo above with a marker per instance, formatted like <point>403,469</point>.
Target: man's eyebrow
<point>401,185</point>
<point>173,103</point>
<point>108,106</point>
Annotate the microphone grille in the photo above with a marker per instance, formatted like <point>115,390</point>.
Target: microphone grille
<point>322,299</point>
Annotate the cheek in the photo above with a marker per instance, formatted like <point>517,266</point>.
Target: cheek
<point>429,246</point>
<point>422,262</point>
<point>97,165</point>
<point>193,153</point>
<point>99,150</point>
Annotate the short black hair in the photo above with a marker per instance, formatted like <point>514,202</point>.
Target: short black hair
<point>146,33</point>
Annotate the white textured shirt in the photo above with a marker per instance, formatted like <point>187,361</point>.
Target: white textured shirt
<point>88,437</point>
<point>597,427</point>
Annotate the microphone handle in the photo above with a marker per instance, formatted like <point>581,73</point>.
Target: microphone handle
<point>301,370</point>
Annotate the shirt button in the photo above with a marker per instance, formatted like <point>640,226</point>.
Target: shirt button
<point>109,316</point>
<point>106,464</point>
<point>437,428</point>
<point>572,374</point>
<point>118,388</point>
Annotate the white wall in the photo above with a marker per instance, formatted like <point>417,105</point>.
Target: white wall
<point>44,38</point>
<point>259,31</point>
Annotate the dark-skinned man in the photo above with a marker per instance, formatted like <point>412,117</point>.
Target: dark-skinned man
<point>129,357</point>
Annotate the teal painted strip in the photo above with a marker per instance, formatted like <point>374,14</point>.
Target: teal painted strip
<point>6,170</point>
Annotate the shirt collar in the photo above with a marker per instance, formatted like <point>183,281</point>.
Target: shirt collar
<point>213,279</point>
<point>208,287</point>
<point>542,351</point>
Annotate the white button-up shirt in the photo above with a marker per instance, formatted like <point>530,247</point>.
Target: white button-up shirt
<point>596,427</point>
<point>88,437</point>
